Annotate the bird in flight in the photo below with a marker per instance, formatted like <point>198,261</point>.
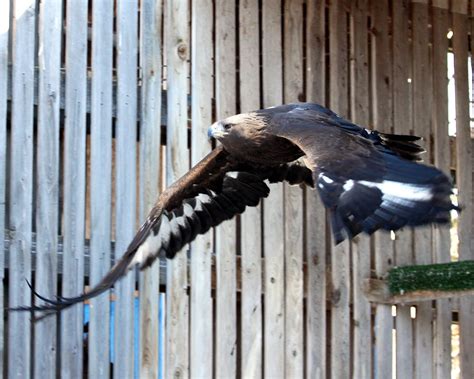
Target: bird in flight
<point>367,181</point>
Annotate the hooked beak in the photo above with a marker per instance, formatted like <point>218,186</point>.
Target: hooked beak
<point>216,131</point>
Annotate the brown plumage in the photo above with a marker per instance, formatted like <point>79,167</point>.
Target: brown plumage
<point>367,181</point>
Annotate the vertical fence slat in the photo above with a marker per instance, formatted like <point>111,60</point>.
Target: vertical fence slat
<point>177,328</point>
<point>21,185</point>
<point>251,240</point>
<point>422,100</point>
<point>150,135</point>
<point>49,61</point>
<point>101,184</point>
<point>360,114</point>
<point>442,240</point>
<point>226,333</point>
<point>74,186</point>
<point>340,260</point>
<point>201,332</point>
<point>274,363</point>
<point>125,202</point>
<point>382,119</point>
<point>4,35</point>
<point>293,261</point>
<point>402,123</point>
<point>316,322</point>
<point>463,175</point>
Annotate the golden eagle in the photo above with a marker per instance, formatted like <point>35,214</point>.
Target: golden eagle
<point>367,181</point>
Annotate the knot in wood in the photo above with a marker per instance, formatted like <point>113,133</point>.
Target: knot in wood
<point>182,50</point>
<point>336,296</point>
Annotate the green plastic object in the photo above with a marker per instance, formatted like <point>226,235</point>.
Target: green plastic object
<point>453,276</point>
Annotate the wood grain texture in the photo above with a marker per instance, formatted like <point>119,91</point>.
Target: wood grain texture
<point>74,187</point>
<point>422,100</point>
<point>463,176</point>
<point>49,60</point>
<point>316,246</point>
<point>21,186</point>
<point>383,121</point>
<point>177,163</point>
<point>442,239</point>
<point>100,183</point>
<point>402,124</point>
<point>294,243</point>
<point>125,179</point>
<point>202,83</point>
<point>226,244</point>
<point>251,222</point>
<point>273,228</point>
<point>361,252</point>
<point>340,357</point>
<point>151,13</point>
<point>4,36</point>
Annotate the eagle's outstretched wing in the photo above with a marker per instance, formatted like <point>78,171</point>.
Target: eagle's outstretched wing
<point>361,175</point>
<point>214,190</point>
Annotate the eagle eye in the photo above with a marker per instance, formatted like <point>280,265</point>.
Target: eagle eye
<point>227,126</point>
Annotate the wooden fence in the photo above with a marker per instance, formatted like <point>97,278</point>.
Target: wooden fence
<point>102,104</point>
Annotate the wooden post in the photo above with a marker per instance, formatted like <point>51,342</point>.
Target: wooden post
<point>74,187</point>
<point>316,321</point>
<point>360,114</point>
<point>442,240</point>
<point>422,100</point>
<point>293,211</point>
<point>49,60</point>
<point>125,180</point>
<point>463,174</point>
<point>251,227</point>
<point>226,244</point>
<point>4,36</point>
<point>340,254</point>
<point>201,332</point>
<point>402,124</point>
<point>177,161</point>
<point>150,152</point>
<point>21,185</point>
<point>100,184</point>
<point>273,229</point>
<point>383,121</point>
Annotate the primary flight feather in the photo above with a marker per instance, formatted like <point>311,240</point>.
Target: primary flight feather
<point>367,181</point>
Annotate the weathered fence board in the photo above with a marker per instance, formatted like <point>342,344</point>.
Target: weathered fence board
<point>422,100</point>
<point>402,124</point>
<point>125,180</point>
<point>316,247</point>
<point>150,154</point>
<point>226,244</point>
<point>442,239</point>
<point>74,187</point>
<point>293,210</point>
<point>361,265</point>
<point>382,119</point>
<point>47,158</point>
<point>201,326</point>
<point>274,321</point>
<point>4,36</point>
<point>340,356</point>
<point>177,163</point>
<point>463,173</point>
<point>100,183</point>
<point>21,185</point>
<point>251,227</point>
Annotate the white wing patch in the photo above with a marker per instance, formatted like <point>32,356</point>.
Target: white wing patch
<point>391,189</point>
